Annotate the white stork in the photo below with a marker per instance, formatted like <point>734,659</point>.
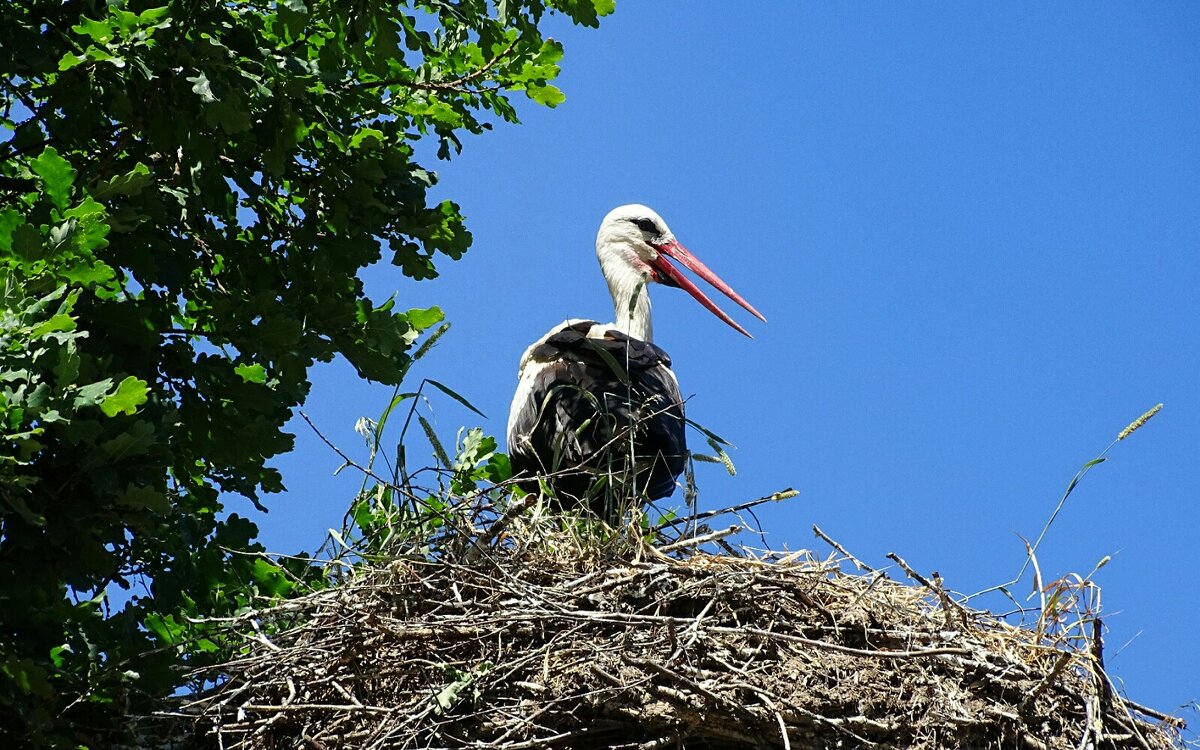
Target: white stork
<point>597,405</point>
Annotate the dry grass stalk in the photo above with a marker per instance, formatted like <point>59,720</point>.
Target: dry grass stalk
<point>544,642</point>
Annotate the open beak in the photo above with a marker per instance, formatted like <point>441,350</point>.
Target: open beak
<point>671,276</point>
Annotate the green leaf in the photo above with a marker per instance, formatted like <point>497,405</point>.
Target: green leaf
<point>89,230</point>
<point>99,55</point>
<point>60,322</point>
<point>476,448</point>
<point>92,394</point>
<point>70,60</point>
<point>130,394</point>
<point>498,468</point>
<point>370,136</point>
<point>134,441</point>
<point>421,319</point>
<point>57,176</point>
<point>100,32</point>
<point>89,274</point>
<point>153,16</point>
<point>130,183</point>
<point>586,12</point>
<point>17,503</point>
<point>27,676</point>
<point>270,578</point>
<point>203,87</point>
<point>38,396</point>
<point>255,373</point>
<point>27,242</point>
<point>230,115</point>
<point>9,220</point>
<point>545,94</point>
<point>165,627</point>
<point>144,498</point>
<point>66,369</point>
<point>128,22</point>
<point>56,655</point>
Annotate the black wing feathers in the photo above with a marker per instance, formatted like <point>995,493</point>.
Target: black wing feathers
<point>596,402</point>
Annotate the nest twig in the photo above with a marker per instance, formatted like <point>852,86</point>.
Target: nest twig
<point>522,647</point>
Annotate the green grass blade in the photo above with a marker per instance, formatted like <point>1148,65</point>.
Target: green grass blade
<point>446,390</point>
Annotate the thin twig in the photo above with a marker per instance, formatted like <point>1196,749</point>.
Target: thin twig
<point>828,540</point>
<point>699,540</point>
<point>733,509</point>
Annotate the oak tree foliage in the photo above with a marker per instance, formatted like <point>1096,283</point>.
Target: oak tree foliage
<point>188,190</point>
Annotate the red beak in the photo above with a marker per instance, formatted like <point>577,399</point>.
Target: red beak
<point>671,276</point>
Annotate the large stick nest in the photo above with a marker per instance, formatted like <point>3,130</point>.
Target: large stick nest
<point>525,646</point>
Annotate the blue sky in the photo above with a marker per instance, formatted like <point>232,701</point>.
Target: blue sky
<point>974,229</point>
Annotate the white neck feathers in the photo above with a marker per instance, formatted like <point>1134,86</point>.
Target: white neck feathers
<point>631,301</point>
<point>625,259</point>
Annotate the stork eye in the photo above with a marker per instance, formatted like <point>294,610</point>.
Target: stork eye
<point>646,225</point>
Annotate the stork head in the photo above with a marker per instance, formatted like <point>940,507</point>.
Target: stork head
<point>635,242</point>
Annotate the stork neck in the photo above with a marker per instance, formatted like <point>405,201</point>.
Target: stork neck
<point>631,300</point>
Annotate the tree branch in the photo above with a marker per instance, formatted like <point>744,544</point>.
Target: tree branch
<point>458,84</point>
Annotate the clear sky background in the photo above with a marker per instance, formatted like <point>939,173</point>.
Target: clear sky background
<point>974,229</point>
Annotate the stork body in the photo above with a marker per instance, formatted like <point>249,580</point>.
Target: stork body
<point>597,414</point>
<point>596,410</point>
